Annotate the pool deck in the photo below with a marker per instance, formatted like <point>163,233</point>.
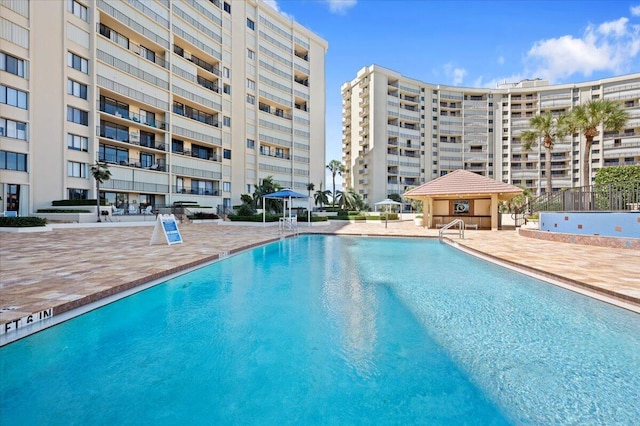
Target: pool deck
<point>66,268</point>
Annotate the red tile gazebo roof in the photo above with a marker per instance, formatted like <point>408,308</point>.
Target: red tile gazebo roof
<point>462,183</point>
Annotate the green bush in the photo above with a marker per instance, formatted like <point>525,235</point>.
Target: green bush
<point>22,222</point>
<point>245,210</point>
<point>253,218</point>
<point>203,215</point>
<point>63,211</point>
<point>318,219</point>
<point>63,203</point>
<point>392,216</point>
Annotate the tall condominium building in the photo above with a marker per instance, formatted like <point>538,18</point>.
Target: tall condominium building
<point>191,100</point>
<point>399,132</point>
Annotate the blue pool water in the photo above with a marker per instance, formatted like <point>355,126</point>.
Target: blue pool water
<point>334,330</point>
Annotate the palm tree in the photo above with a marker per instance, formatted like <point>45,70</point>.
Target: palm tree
<point>267,186</point>
<point>587,117</point>
<point>336,168</point>
<point>321,197</point>
<point>350,199</point>
<point>310,187</point>
<point>548,127</point>
<point>101,173</point>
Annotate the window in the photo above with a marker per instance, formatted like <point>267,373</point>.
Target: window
<point>13,161</point>
<point>78,143</point>
<point>251,84</point>
<point>251,54</point>
<point>13,97</point>
<point>77,89</point>
<point>250,24</point>
<point>75,169</point>
<point>146,160</point>
<point>226,121</point>
<point>177,146</point>
<point>251,143</point>
<point>226,186</point>
<point>77,62</point>
<point>226,153</point>
<point>11,64</point>
<point>226,72</point>
<point>77,9</point>
<point>75,115</point>
<point>77,194</point>
<point>111,154</point>
<point>147,53</point>
<point>13,129</point>
<point>227,7</point>
<point>226,89</point>
<point>251,99</point>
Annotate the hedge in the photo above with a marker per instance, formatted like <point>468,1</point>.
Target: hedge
<point>22,222</point>
<point>203,215</point>
<point>75,203</point>
<point>253,218</point>
<point>63,211</point>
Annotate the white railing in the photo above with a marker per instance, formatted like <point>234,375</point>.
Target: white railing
<point>455,222</point>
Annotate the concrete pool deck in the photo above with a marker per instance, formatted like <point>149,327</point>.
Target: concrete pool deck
<point>49,273</point>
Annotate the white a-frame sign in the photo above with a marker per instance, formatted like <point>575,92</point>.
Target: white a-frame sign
<point>166,230</point>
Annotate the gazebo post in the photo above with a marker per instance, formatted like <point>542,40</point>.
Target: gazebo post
<point>494,211</point>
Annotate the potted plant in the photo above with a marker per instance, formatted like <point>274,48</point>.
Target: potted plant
<point>418,220</point>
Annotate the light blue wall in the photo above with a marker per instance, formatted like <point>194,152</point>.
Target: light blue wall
<point>626,225</point>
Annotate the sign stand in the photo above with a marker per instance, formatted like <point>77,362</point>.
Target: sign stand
<point>166,231</point>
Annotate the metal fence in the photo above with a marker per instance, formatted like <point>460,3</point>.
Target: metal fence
<point>617,196</point>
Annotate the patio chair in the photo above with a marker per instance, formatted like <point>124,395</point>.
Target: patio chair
<point>116,211</point>
<point>133,209</point>
<point>147,210</point>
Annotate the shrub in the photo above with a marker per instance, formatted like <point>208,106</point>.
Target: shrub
<point>253,218</point>
<point>63,211</point>
<point>245,210</point>
<point>22,222</point>
<point>203,215</point>
<point>75,203</point>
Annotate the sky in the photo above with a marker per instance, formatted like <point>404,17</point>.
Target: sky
<point>467,43</point>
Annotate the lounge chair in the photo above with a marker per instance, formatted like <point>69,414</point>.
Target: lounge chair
<point>116,211</point>
<point>147,210</point>
<point>133,210</point>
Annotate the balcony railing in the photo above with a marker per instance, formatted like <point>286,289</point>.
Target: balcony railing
<point>189,153</point>
<point>131,162</point>
<point>132,116</point>
<point>282,156</point>
<point>129,138</point>
<point>215,192</point>
<point>213,69</point>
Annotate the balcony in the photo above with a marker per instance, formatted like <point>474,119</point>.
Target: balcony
<point>274,154</point>
<point>133,138</point>
<point>274,111</point>
<point>196,191</point>
<point>208,84</point>
<point>120,160</point>
<point>132,116</point>
<point>194,114</point>
<point>213,69</point>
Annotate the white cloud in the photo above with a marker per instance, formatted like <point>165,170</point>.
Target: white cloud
<point>493,83</point>
<point>340,6</point>
<point>274,5</point>
<point>501,60</point>
<point>611,46</point>
<point>616,28</point>
<point>456,75</point>
<point>635,10</point>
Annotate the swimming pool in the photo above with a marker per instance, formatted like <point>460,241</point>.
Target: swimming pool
<point>334,330</point>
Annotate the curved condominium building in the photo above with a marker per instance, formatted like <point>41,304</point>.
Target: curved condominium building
<point>399,132</point>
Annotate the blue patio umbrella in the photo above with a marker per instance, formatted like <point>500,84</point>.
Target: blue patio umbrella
<point>283,194</point>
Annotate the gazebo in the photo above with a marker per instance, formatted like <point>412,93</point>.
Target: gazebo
<point>463,195</point>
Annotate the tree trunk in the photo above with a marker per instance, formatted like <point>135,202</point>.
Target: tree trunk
<point>547,169</point>
<point>586,162</point>
<point>98,200</point>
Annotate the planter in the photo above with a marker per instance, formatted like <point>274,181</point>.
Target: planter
<point>417,221</point>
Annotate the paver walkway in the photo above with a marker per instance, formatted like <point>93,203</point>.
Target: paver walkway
<point>67,268</point>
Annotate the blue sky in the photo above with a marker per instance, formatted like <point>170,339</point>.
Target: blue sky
<point>468,43</point>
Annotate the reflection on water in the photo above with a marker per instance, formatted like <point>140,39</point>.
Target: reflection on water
<point>352,309</point>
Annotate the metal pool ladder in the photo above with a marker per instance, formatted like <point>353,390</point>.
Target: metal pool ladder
<point>450,225</point>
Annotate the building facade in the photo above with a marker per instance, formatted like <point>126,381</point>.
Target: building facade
<point>399,132</point>
<point>186,101</point>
